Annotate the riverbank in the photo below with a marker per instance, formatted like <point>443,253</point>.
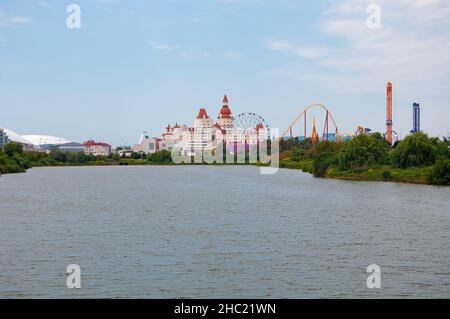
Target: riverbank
<point>417,159</point>
<point>13,159</point>
<point>328,160</point>
<point>414,175</point>
<point>106,162</point>
<point>110,162</point>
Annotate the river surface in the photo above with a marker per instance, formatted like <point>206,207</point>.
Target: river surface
<point>219,232</point>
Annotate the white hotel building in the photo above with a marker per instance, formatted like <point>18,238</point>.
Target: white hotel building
<point>205,134</point>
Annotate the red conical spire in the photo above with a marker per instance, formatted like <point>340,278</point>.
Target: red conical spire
<point>202,114</point>
<point>225,112</point>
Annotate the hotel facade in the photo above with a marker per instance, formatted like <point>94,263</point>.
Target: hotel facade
<point>206,134</point>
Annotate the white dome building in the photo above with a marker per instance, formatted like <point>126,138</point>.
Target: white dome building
<point>47,143</point>
<point>46,140</point>
<point>14,137</point>
<point>42,142</point>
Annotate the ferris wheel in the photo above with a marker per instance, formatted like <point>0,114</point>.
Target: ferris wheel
<point>248,121</point>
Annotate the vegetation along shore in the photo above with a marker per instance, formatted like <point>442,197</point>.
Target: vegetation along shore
<point>418,159</point>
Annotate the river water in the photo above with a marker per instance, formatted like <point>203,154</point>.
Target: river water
<point>219,232</point>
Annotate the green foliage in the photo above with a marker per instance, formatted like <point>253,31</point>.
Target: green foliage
<point>12,148</point>
<point>297,153</point>
<point>13,159</point>
<point>363,151</point>
<point>288,144</point>
<point>418,150</point>
<point>386,175</point>
<point>322,162</point>
<point>305,149</point>
<point>440,173</point>
<point>58,156</point>
<point>75,157</point>
<point>326,147</point>
<point>138,155</point>
<point>22,161</point>
<point>162,156</point>
<point>9,165</point>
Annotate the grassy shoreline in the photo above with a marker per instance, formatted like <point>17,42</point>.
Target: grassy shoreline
<point>414,175</point>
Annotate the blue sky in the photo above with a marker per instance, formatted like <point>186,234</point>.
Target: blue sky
<point>137,65</point>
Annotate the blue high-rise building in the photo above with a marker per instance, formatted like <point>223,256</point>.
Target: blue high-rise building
<point>3,138</point>
<point>416,118</point>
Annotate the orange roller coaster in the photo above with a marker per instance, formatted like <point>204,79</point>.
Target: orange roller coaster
<point>314,135</point>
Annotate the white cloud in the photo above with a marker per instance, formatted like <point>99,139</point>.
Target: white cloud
<point>163,46</point>
<point>308,52</point>
<point>232,55</point>
<point>411,47</point>
<point>43,3</point>
<point>7,20</point>
<point>185,53</point>
<point>194,54</point>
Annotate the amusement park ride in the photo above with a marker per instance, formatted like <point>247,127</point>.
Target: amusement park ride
<point>330,128</point>
<point>314,135</point>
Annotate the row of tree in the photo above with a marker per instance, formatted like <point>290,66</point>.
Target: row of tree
<point>366,151</point>
<point>13,159</point>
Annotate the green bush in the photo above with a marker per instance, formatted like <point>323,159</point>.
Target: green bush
<point>364,151</point>
<point>162,156</point>
<point>440,173</point>
<point>9,165</point>
<point>58,156</point>
<point>297,153</point>
<point>74,157</point>
<point>418,150</point>
<point>13,159</point>
<point>12,148</point>
<point>386,175</point>
<point>321,163</point>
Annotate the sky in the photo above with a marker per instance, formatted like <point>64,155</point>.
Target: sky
<point>137,65</point>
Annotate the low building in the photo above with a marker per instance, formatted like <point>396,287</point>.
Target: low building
<point>71,147</point>
<point>3,138</point>
<point>172,136</point>
<point>147,145</point>
<point>92,147</point>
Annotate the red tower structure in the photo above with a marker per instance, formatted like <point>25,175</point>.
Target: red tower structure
<point>389,122</point>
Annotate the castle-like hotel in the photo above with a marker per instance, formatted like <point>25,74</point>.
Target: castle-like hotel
<point>204,134</point>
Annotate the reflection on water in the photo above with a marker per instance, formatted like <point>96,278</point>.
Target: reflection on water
<point>218,232</point>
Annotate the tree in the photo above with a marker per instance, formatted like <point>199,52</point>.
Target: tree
<point>297,153</point>
<point>162,156</point>
<point>418,150</point>
<point>326,147</point>
<point>76,157</point>
<point>10,164</point>
<point>364,151</point>
<point>12,148</point>
<point>440,174</point>
<point>58,156</point>
<point>322,162</point>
